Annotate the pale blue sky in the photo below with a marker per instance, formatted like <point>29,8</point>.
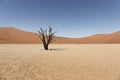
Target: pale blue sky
<point>70,18</point>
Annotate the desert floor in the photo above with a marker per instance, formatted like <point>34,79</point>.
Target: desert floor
<point>62,62</point>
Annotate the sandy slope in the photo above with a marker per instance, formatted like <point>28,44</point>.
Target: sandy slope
<point>63,62</point>
<point>12,35</point>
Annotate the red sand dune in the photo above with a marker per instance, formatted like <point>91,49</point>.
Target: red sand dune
<point>12,35</point>
<point>9,35</point>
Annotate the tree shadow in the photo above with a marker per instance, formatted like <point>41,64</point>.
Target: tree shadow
<point>57,49</point>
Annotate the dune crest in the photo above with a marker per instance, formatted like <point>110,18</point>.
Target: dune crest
<point>10,35</point>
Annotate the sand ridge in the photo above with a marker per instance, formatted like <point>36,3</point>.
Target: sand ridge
<point>10,35</point>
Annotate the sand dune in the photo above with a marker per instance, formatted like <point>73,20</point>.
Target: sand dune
<point>11,35</point>
<point>103,38</point>
<point>64,62</point>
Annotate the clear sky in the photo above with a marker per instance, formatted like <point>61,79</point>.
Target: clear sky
<point>70,18</point>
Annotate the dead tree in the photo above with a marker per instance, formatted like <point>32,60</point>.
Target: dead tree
<point>47,36</point>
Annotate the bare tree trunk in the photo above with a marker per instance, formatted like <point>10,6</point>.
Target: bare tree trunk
<point>46,36</point>
<point>45,47</point>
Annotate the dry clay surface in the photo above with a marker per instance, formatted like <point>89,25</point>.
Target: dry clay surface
<point>62,62</point>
